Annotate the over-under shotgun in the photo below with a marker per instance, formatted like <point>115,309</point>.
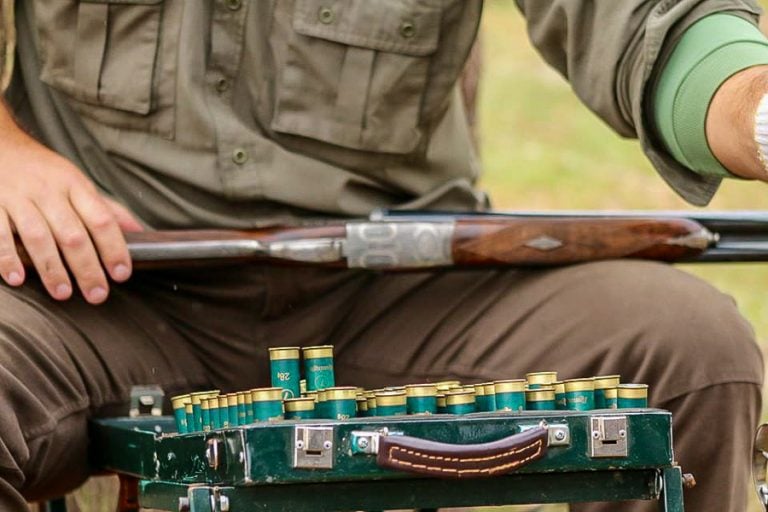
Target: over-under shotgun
<point>412,240</point>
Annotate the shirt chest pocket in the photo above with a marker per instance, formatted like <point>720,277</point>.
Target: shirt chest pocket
<point>104,55</point>
<point>355,72</point>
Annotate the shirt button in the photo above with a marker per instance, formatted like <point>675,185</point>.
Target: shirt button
<point>222,85</point>
<point>325,15</point>
<point>234,5</point>
<point>407,29</point>
<point>239,156</point>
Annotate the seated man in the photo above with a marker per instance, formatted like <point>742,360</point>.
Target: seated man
<point>169,114</point>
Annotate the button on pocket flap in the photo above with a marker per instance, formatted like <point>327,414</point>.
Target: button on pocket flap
<point>410,27</point>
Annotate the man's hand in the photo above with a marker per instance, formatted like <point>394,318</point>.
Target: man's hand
<point>731,122</point>
<point>57,212</point>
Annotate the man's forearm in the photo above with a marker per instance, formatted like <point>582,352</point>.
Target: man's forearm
<point>731,122</point>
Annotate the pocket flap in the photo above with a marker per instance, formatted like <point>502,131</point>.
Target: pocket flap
<point>410,27</point>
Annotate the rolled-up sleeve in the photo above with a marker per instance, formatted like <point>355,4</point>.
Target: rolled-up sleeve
<point>611,51</point>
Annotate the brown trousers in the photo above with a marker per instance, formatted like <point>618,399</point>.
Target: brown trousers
<point>61,363</point>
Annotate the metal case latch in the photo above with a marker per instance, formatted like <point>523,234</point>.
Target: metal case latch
<point>608,436</point>
<point>313,447</point>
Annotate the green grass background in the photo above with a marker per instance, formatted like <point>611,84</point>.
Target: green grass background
<point>542,149</point>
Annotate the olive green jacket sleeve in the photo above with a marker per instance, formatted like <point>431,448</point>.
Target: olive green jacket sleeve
<point>7,42</point>
<point>612,51</point>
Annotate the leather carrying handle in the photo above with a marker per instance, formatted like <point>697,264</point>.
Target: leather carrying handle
<point>445,460</point>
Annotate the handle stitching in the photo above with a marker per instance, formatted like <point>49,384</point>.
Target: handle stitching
<point>492,469</point>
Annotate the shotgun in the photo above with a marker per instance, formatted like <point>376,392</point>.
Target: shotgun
<point>408,240</point>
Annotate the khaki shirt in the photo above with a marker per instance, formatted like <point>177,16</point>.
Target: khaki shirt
<point>249,112</point>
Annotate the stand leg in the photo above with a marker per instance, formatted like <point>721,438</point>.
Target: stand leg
<point>672,490</point>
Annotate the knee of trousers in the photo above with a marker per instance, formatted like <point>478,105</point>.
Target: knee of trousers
<point>43,402</point>
<point>683,334</point>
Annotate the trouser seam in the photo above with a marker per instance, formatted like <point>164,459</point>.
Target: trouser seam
<point>56,417</point>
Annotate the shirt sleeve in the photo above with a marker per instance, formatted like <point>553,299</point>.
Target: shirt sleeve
<point>7,43</point>
<point>710,52</point>
<point>612,52</point>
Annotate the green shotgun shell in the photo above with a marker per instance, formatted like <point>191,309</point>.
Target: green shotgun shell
<point>580,394</point>
<point>632,396</point>
<point>197,414</point>
<point>421,398</point>
<point>391,403</point>
<point>481,403</point>
<point>285,370</point>
<point>561,402</point>
<point>460,401</point>
<point>370,397</point>
<point>232,412</point>
<point>440,399</point>
<point>540,379</point>
<point>206,414</point>
<point>248,408</point>
<point>510,395</point>
<point>540,399</point>
<point>179,412</point>
<point>302,408</point>
<point>341,402</point>
<point>318,367</point>
<point>242,413</point>
<point>224,411</point>
<point>489,390</point>
<point>213,412</point>
<point>611,397</point>
<point>189,413</point>
<point>362,405</point>
<point>267,404</point>
<point>602,383</point>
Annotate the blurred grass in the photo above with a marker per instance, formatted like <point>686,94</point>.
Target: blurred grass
<point>542,149</point>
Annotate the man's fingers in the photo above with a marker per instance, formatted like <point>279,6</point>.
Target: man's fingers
<point>125,219</point>
<point>38,240</point>
<point>11,268</point>
<point>77,248</point>
<point>105,232</point>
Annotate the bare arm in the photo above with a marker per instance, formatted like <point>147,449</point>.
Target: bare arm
<point>60,217</point>
<point>731,119</point>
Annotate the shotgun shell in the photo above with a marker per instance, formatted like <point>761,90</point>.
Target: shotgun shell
<point>340,402</point>
<point>205,412</point>
<point>213,412</point>
<point>538,380</point>
<point>481,402</point>
<point>580,394</point>
<point>391,403</point>
<point>611,397</point>
<point>460,401</point>
<point>242,414</point>
<point>632,396</point>
<point>232,412</point>
<point>440,399</point>
<point>602,383</point>
<point>561,402</point>
<point>362,405</point>
<point>267,404</point>
<point>188,412</point>
<point>285,370</point>
<point>421,398</point>
<point>249,418</point>
<point>197,415</point>
<point>489,390</point>
<point>540,399</point>
<point>179,412</point>
<point>223,410</point>
<point>302,408</point>
<point>510,395</point>
<point>447,385</point>
<point>370,398</point>
<point>320,404</point>
<point>318,367</point>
